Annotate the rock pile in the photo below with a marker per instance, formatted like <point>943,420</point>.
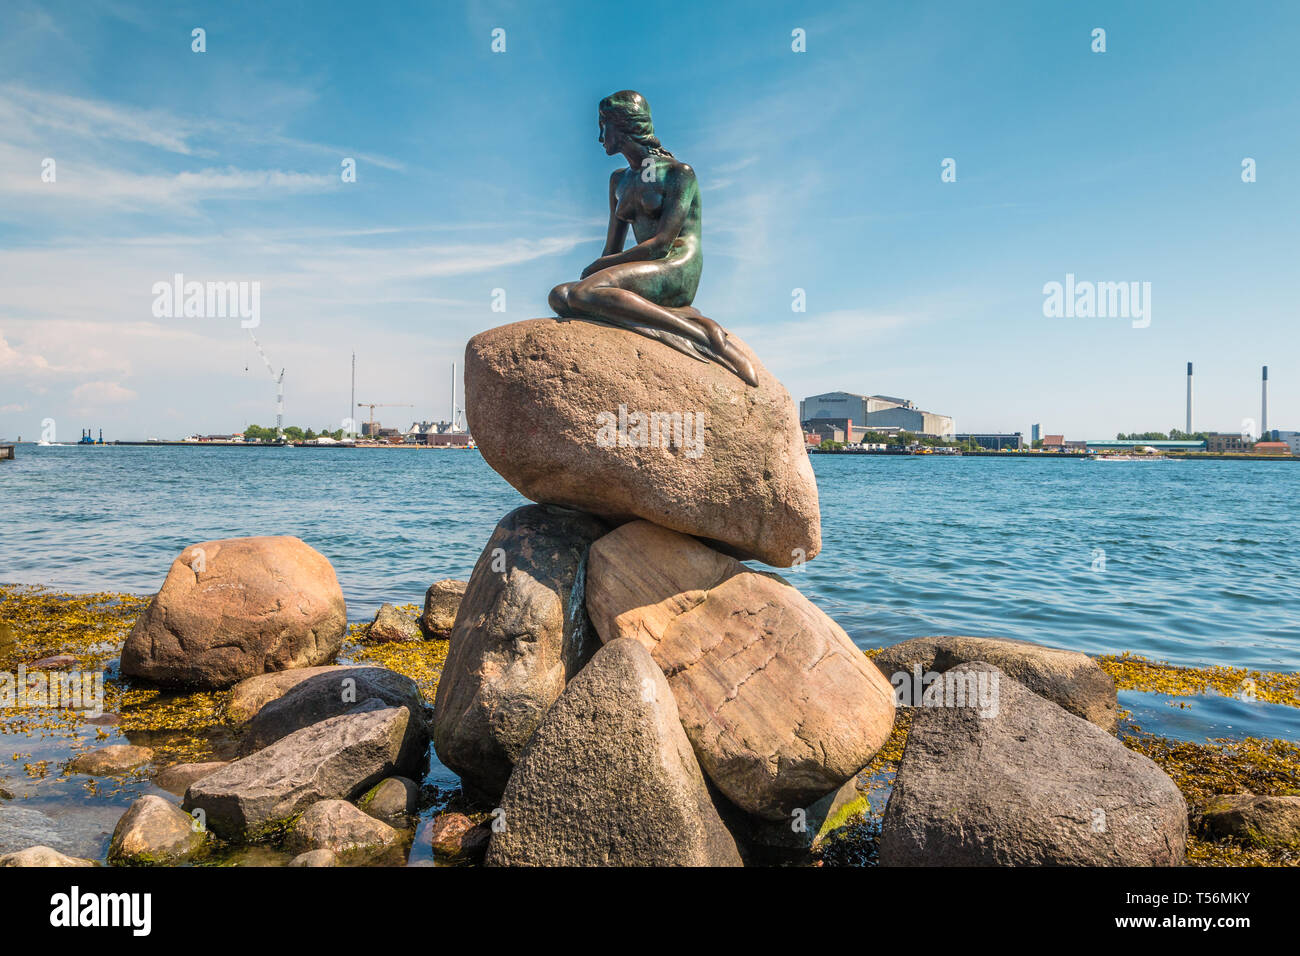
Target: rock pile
<point>315,739</point>
<point>618,685</point>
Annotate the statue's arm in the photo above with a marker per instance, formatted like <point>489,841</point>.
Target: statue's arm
<point>679,183</point>
<point>617,235</point>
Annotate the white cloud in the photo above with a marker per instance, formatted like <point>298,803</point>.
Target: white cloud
<point>90,394</point>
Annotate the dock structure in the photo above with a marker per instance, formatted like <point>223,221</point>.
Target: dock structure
<point>6,452</point>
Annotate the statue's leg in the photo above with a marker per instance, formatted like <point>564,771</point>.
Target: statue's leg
<point>622,294</point>
<point>613,294</point>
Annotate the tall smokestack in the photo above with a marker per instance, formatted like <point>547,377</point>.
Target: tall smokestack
<point>1189,398</point>
<point>1263,406</point>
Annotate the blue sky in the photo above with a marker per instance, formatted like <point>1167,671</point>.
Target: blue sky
<point>479,171</point>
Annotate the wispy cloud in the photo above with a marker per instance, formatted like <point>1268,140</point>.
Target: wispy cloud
<point>37,124</point>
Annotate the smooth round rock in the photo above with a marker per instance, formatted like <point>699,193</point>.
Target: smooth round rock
<point>238,607</point>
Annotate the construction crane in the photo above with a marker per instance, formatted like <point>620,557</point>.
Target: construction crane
<point>373,405</point>
<point>279,386</point>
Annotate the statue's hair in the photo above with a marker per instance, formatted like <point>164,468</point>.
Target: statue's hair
<point>629,111</point>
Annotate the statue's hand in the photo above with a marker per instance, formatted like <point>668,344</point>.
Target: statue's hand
<point>595,267</point>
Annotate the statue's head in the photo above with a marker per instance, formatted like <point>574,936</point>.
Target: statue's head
<point>626,115</point>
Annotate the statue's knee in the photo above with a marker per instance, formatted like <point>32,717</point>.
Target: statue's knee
<point>559,299</point>
<point>582,294</point>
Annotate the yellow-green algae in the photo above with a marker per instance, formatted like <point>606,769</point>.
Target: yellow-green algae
<point>37,622</point>
<point>420,660</point>
<point>181,727</point>
<point>1131,672</point>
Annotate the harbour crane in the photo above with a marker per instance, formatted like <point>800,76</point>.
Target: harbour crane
<point>373,405</point>
<point>279,386</point>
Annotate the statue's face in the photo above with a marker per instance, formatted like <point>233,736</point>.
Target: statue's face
<point>609,137</point>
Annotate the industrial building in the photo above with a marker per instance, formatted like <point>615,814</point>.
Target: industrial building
<point>1292,438</point>
<point>441,433</point>
<point>1117,444</point>
<point>994,441</point>
<point>864,413</point>
<point>1225,442</point>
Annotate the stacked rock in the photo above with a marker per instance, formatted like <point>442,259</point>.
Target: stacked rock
<point>619,687</point>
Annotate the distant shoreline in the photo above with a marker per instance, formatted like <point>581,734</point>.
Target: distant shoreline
<point>235,444</point>
<point>1048,456</point>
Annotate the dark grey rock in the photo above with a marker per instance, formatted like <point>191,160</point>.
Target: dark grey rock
<point>609,778</point>
<point>522,631</point>
<point>1069,679</point>
<point>341,757</point>
<point>1026,784</point>
<point>329,694</point>
<point>789,841</point>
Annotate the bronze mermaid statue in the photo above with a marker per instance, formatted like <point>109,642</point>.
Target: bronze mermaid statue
<point>649,288</point>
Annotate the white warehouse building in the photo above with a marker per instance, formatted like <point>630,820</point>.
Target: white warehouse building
<point>866,411</point>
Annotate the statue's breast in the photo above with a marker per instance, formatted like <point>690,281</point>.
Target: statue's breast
<point>639,201</point>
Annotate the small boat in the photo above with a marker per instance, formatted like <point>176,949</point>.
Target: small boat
<point>1126,458</point>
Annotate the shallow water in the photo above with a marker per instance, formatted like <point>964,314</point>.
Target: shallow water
<point>1194,562</point>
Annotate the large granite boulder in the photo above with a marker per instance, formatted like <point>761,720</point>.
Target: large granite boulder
<point>521,633</point>
<point>1025,783</point>
<point>334,691</point>
<point>778,703</point>
<point>609,778</point>
<point>604,420</point>
<point>342,757</point>
<point>234,608</point>
<point>154,832</point>
<point>1069,679</point>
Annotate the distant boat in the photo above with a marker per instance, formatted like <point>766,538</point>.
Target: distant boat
<point>1126,458</point>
